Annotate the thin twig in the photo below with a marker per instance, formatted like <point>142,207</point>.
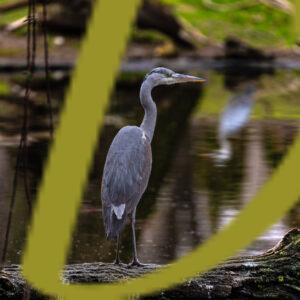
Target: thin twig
<point>22,153</point>
<point>47,73</point>
<point>11,206</point>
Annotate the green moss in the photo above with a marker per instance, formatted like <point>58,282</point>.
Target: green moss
<point>280,278</point>
<point>282,253</point>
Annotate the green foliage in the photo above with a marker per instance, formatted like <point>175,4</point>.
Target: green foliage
<point>250,20</point>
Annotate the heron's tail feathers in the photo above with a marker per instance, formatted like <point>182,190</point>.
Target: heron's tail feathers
<point>115,221</point>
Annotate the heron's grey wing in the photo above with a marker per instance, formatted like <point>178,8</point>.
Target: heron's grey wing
<point>127,170</point>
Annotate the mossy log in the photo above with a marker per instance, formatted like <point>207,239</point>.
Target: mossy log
<point>272,275</point>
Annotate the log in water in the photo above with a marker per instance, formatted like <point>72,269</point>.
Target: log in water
<point>273,275</point>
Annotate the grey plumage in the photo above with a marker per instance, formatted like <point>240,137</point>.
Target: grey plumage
<point>125,178</point>
<point>128,164</point>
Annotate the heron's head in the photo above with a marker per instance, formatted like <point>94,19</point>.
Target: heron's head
<point>164,76</point>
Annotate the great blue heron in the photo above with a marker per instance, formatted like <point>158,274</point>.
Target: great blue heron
<point>128,163</point>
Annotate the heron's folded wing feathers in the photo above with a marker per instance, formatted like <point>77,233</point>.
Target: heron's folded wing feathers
<point>127,168</point>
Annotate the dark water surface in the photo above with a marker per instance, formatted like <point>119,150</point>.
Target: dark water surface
<point>213,149</point>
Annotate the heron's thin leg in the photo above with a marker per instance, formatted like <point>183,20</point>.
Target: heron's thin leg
<point>117,260</point>
<point>135,261</point>
<point>134,238</point>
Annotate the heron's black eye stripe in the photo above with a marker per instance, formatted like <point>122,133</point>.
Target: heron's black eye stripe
<point>162,71</point>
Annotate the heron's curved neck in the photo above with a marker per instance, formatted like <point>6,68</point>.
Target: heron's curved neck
<point>149,121</point>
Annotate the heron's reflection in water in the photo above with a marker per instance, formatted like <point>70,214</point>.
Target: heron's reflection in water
<point>233,119</point>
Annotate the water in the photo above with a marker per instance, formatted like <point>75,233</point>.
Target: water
<point>213,149</point>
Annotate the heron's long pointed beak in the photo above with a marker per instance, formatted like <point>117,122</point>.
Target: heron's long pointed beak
<point>180,78</point>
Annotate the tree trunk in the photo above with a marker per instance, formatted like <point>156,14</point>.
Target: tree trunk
<point>272,275</point>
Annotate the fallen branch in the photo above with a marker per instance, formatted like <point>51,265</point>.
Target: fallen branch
<point>283,5</point>
<point>272,275</point>
<point>15,25</point>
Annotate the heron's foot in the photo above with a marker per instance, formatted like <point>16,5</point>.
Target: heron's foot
<point>117,262</point>
<point>136,263</point>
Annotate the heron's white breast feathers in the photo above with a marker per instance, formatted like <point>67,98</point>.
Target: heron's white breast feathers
<point>119,210</point>
<point>144,136</point>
